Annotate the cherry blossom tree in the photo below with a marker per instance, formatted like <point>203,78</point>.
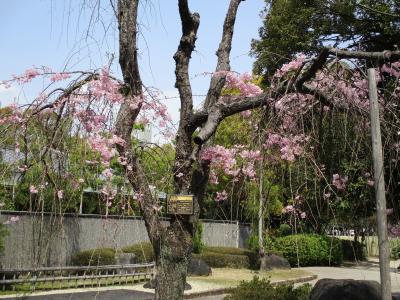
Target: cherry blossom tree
<point>103,111</point>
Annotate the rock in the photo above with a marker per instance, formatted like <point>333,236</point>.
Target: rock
<point>346,289</point>
<point>125,258</point>
<point>198,267</point>
<point>273,261</point>
<point>152,285</point>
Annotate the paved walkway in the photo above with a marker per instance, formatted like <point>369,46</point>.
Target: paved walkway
<point>365,271</point>
<point>103,295</point>
<point>100,295</point>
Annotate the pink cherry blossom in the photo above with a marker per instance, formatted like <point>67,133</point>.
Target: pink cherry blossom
<point>33,189</point>
<point>339,182</point>
<point>59,76</point>
<point>221,196</point>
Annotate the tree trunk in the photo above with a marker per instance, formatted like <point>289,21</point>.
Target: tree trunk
<point>172,258</point>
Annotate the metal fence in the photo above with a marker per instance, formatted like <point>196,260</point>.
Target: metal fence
<point>69,277</point>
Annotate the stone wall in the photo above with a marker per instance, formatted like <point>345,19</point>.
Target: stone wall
<point>50,240</point>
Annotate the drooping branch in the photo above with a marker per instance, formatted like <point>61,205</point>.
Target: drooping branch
<point>65,93</point>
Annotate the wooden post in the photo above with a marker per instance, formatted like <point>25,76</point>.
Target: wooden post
<point>384,265</point>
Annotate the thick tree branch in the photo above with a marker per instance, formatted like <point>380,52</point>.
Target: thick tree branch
<point>218,80</point>
<point>317,65</point>
<point>190,24</point>
<point>128,59</point>
<point>385,56</point>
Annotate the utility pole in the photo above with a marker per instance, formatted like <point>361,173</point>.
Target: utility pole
<point>380,198</point>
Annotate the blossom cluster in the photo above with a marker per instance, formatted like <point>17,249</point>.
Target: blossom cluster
<point>290,147</point>
<point>293,65</point>
<point>235,162</point>
<point>339,181</point>
<point>242,83</point>
<point>295,208</point>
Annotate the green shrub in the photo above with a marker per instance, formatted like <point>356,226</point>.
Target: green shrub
<point>261,289</point>
<point>395,249</point>
<point>252,256</point>
<point>353,250</point>
<point>219,260</point>
<point>143,252</point>
<point>310,250</point>
<point>284,230</point>
<point>198,244</point>
<point>252,242</point>
<point>94,257</point>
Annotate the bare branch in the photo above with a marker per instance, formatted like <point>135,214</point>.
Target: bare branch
<point>190,24</point>
<point>218,80</point>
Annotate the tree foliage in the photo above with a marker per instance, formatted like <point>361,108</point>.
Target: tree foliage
<point>294,26</point>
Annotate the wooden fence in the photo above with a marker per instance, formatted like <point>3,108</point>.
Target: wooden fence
<point>73,277</point>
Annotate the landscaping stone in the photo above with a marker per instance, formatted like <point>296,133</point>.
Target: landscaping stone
<point>152,285</point>
<point>273,261</point>
<point>346,289</point>
<point>198,267</point>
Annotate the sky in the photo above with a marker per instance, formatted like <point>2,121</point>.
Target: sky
<point>81,35</point>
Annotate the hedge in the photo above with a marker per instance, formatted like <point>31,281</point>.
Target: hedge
<point>215,257</point>
<point>219,260</point>
<point>310,250</point>
<point>252,256</point>
<point>94,257</point>
<point>143,252</point>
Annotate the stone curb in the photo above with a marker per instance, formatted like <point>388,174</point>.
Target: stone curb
<point>221,291</point>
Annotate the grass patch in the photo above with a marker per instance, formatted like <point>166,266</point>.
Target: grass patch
<point>228,277</point>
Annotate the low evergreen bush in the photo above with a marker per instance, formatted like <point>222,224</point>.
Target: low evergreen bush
<point>94,257</point>
<point>215,257</point>
<point>198,245</point>
<point>310,249</point>
<point>220,260</point>
<point>284,230</point>
<point>143,252</point>
<point>261,289</point>
<point>395,249</point>
<point>252,256</point>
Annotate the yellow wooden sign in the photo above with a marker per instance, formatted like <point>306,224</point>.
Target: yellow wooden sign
<point>180,204</point>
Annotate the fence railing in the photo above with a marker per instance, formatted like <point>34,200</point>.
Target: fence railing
<point>49,278</point>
